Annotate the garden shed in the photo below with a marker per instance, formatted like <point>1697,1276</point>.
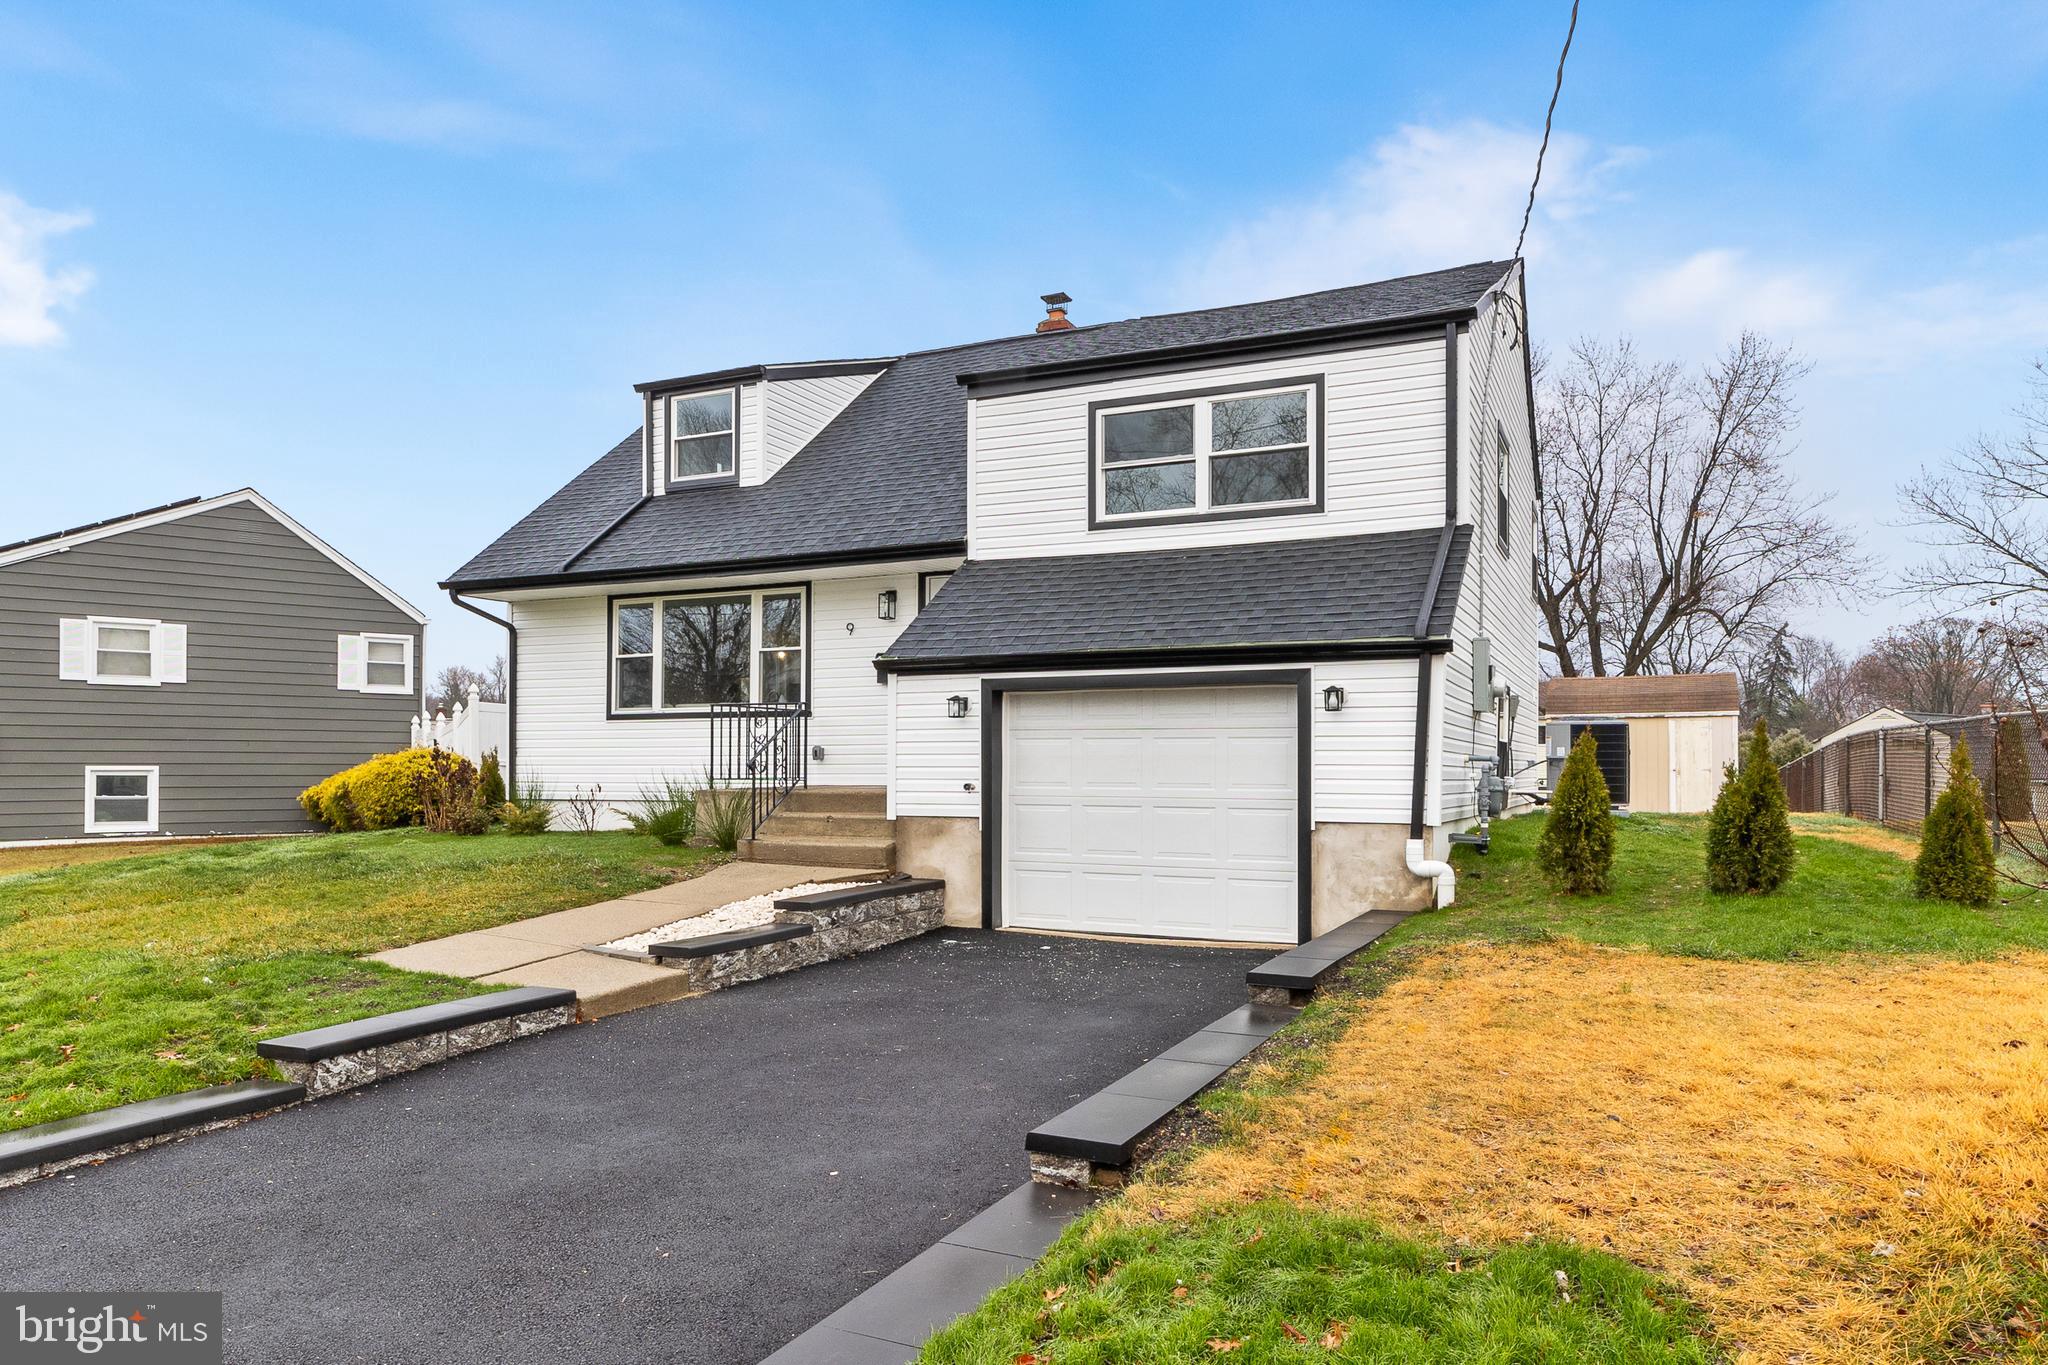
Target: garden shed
<point>1663,740</point>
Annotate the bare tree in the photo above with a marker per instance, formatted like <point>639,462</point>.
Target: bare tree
<point>1830,692</point>
<point>452,685</point>
<point>1945,665</point>
<point>1674,538</point>
<point>1985,512</point>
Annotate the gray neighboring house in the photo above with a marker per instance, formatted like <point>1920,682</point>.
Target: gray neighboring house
<point>188,670</point>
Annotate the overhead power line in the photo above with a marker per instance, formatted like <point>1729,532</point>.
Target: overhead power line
<point>1548,114</point>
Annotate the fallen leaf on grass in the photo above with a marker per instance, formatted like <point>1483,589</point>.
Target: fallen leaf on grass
<point>169,1055</point>
<point>1257,1237</point>
<point>1056,1293</point>
<point>1334,1334</point>
<point>1180,1291</point>
<point>1293,1333</point>
<point>67,1049</point>
<point>1221,1345</point>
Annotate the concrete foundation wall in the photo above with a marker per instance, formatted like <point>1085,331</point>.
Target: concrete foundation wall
<point>947,848</point>
<point>1357,868</point>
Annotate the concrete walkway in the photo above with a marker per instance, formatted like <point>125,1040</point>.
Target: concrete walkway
<point>547,950</point>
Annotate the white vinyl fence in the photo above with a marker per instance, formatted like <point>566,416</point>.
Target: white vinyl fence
<point>475,728</point>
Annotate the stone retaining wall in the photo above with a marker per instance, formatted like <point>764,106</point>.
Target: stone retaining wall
<point>842,923</point>
<point>351,1069</point>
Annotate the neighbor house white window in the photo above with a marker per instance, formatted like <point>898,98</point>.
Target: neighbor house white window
<point>685,653</point>
<point>114,651</point>
<point>702,432</point>
<point>120,800</point>
<point>374,663</point>
<point>1230,452</point>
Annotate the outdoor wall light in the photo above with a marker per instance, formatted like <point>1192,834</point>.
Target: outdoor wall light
<point>1333,698</point>
<point>885,604</point>
<point>956,707</point>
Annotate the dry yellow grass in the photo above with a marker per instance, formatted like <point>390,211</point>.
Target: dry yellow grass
<point>1859,832</point>
<point>46,857</point>
<point>1845,1163</point>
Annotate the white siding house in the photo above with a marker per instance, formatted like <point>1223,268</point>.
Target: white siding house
<point>1165,626</point>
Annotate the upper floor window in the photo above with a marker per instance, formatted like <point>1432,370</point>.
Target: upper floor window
<point>701,434</point>
<point>676,653</point>
<point>1219,452</point>
<point>120,652</point>
<point>1500,492</point>
<point>123,651</point>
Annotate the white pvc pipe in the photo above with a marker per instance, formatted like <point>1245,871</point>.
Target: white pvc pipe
<point>1436,868</point>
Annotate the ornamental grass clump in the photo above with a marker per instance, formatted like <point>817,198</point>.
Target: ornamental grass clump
<point>667,812</point>
<point>1956,862</point>
<point>1749,833</point>
<point>1576,850</point>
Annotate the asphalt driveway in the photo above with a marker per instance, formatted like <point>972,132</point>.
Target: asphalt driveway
<point>696,1182</point>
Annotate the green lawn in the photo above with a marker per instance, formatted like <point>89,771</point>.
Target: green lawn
<point>1111,1289</point>
<point>1843,898</point>
<point>1271,1282</point>
<point>130,978</point>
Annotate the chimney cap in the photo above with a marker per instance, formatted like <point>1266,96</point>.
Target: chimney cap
<point>1055,299</point>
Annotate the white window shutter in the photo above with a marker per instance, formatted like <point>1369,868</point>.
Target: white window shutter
<point>74,649</point>
<point>348,663</point>
<point>169,642</point>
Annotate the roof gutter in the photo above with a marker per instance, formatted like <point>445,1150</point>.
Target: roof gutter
<point>742,374</point>
<point>511,686</point>
<point>1207,350</point>
<point>710,569</point>
<point>1168,656</point>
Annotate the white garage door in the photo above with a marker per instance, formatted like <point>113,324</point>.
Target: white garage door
<point>1159,812</point>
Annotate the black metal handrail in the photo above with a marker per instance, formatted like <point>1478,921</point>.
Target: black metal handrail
<point>767,746</point>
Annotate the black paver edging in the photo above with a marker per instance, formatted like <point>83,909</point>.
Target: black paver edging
<point>856,895</point>
<point>1303,968</point>
<point>1105,1128</point>
<point>85,1134</point>
<point>360,1035</point>
<point>731,941</point>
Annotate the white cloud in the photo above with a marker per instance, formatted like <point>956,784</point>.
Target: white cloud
<point>31,290</point>
<point>1879,54</point>
<point>1721,290</point>
<point>1423,198</point>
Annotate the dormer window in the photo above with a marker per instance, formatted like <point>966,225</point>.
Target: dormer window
<point>1209,454</point>
<point>702,431</point>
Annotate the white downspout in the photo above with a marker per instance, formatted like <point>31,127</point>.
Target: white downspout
<point>1446,879</point>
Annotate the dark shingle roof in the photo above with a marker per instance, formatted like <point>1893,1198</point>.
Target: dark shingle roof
<point>1322,592</point>
<point>889,473</point>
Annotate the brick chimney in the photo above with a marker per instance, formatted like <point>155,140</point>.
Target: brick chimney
<point>1056,313</point>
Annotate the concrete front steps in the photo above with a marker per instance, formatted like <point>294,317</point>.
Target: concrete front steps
<point>828,827</point>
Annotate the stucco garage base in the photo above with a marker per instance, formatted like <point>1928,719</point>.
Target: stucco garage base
<point>1356,868</point>
<point>1359,868</point>
<point>947,847</point>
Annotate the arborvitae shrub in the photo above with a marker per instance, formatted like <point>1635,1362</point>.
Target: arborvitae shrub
<point>1576,848</point>
<point>2011,778</point>
<point>1955,862</point>
<point>1749,834</point>
<point>490,784</point>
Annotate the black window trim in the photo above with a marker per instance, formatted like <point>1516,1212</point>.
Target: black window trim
<point>611,646</point>
<point>669,482</point>
<point>1503,470</point>
<point>1101,521</point>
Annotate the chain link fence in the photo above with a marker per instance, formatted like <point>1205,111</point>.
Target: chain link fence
<point>1892,776</point>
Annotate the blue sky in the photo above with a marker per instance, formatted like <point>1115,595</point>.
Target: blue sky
<point>398,266</point>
